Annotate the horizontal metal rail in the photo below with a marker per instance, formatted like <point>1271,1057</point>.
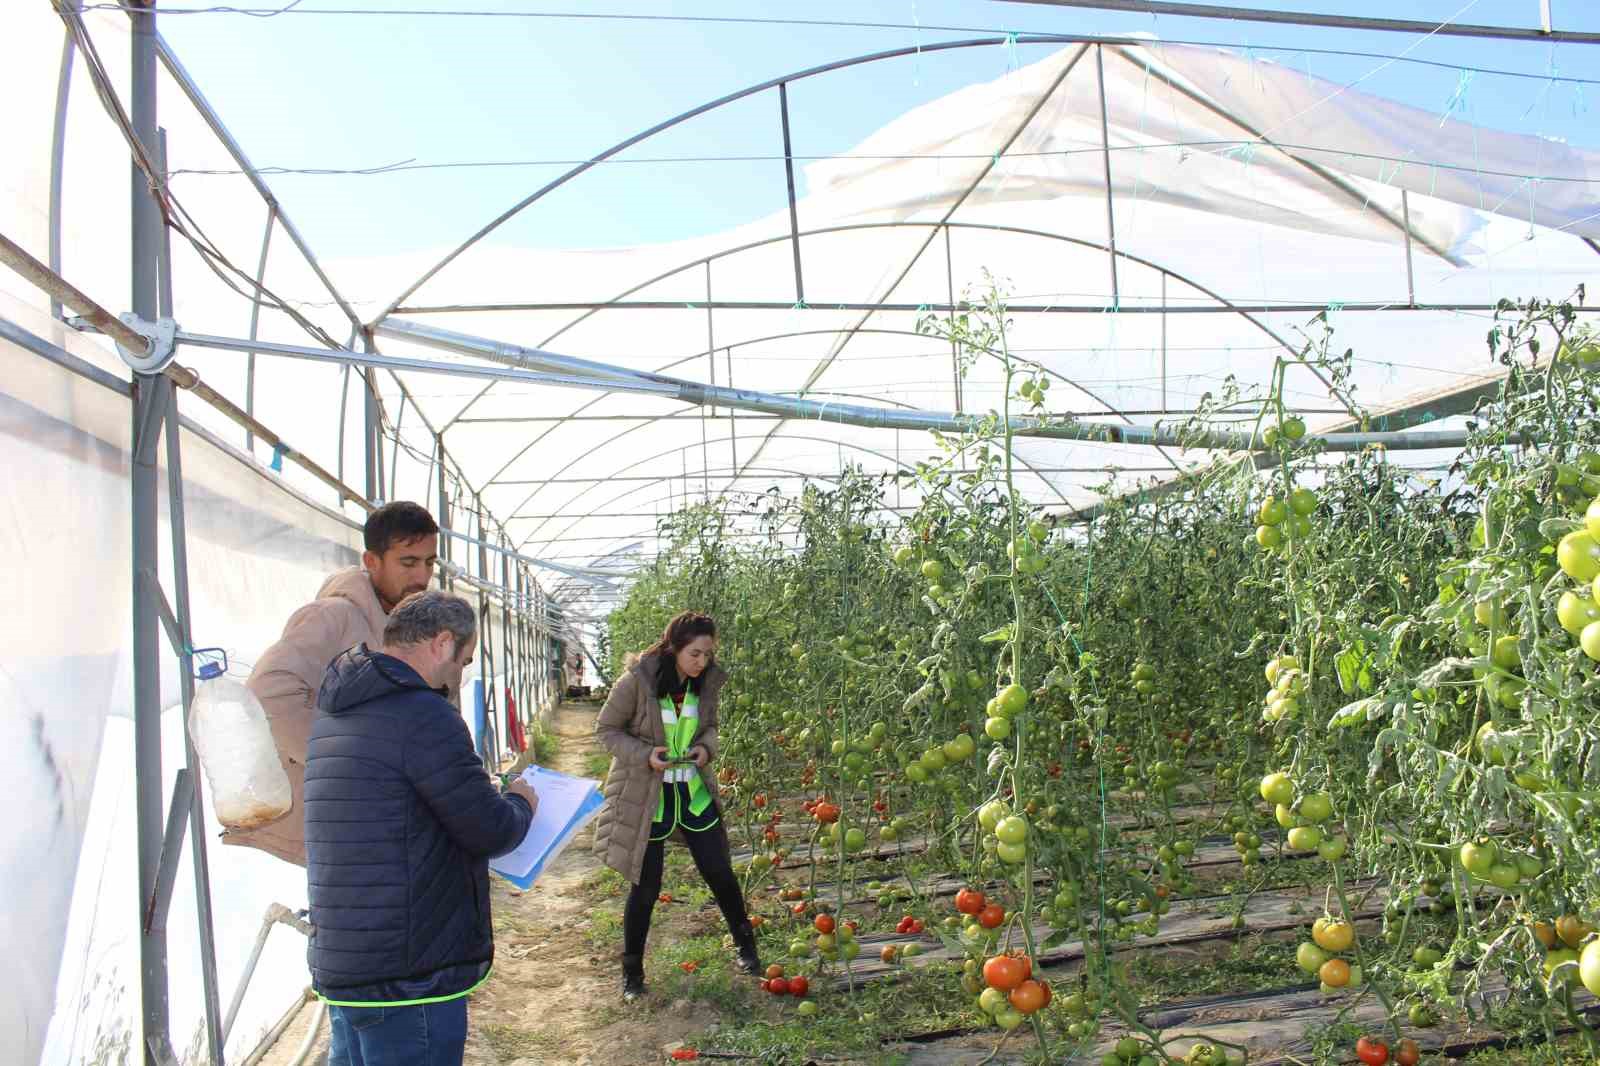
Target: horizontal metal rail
<point>1311,18</point>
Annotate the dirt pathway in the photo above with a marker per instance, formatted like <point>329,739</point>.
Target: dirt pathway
<point>555,995</point>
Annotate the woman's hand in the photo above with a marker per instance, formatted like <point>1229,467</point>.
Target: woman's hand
<point>658,759</point>
<point>699,755</point>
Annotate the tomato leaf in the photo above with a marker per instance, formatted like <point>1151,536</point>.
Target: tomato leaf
<point>998,636</point>
<point>1556,528</point>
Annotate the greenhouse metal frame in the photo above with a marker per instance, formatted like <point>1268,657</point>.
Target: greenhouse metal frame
<point>525,607</point>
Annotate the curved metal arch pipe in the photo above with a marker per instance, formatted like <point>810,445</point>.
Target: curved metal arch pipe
<point>832,442</point>
<point>854,227</point>
<point>740,94</point>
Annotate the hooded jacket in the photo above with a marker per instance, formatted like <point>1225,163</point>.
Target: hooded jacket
<point>345,613</point>
<point>401,819</point>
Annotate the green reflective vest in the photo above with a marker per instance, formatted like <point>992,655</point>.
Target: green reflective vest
<point>680,728</point>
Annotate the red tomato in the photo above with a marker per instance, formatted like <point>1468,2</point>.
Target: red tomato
<point>759,799</point>
<point>778,986</point>
<point>1004,972</point>
<point>969,901</point>
<point>1028,997</point>
<point>824,923</point>
<point>992,916</point>
<point>799,986</point>
<point>685,1054</point>
<point>774,971</point>
<point>1407,1053</point>
<point>1372,1051</point>
<point>917,926</point>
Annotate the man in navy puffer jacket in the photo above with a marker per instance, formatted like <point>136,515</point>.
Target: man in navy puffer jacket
<point>401,820</point>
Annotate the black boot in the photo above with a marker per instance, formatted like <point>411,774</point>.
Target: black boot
<point>632,977</point>
<point>744,939</point>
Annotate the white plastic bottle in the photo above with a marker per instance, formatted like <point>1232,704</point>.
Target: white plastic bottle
<point>231,735</point>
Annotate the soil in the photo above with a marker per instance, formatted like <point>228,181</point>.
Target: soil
<point>555,994</point>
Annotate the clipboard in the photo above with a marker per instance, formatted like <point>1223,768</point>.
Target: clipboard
<point>566,805</point>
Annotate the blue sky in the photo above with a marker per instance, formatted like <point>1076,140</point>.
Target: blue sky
<point>345,91</point>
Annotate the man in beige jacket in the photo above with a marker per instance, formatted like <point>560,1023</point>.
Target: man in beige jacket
<point>402,546</point>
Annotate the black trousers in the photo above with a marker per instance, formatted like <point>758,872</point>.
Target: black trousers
<point>711,858</point>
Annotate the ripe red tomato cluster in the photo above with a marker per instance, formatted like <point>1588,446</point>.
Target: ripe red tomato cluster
<point>824,812</point>
<point>909,924</point>
<point>776,984</point>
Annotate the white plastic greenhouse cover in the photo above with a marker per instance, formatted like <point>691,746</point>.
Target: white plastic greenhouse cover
<point>1004,174</point>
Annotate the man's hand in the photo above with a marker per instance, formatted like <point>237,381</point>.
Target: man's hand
<point>519,787</point>
<point>658,759</point>
<point>699,755</point>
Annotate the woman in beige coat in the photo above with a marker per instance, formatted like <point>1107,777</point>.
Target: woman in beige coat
<point>660,726</point>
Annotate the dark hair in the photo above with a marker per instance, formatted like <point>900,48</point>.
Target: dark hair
<point>397,523</point>
<point>684,629</point>
<point>422,616</point>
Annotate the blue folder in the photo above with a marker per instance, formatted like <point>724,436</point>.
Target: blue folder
<point>566,805</point>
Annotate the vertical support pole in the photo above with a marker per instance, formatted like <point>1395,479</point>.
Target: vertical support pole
<point>255,325</point>
<point>733,419</point>
<point>1545,21</point>
<point>794,214</point>
<point>444,516</point>
<point>1163,343</point>
<point>394,456</point>
<point>197,815</point>
<point>58,154</point>
<point>1105,153</point>
<point>711,346</point>
<point>950,289</point>
<point>372,425</point>
<point>1405,214</point>
<point>344,406</point>
<point>152,396</point>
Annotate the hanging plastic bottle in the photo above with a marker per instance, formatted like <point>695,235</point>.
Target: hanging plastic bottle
<point>248,785</point>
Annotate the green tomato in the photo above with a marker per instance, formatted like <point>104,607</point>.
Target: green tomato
<point>990,813</point>
<point>904,554</point>
<point>1575,610</point>
<point>1504,875</point>
<point>1426,957</point>
<point>997,728</point>
<point>1277,788</point>
<point>1506,654</point>
<point>1012,830</point>
<point>1013,699</point>
<point>854,839</point>
<point>1589,966</point>
<point>1305,838</point>
<point>1272,512</point>
<point>1478,858</point>
<point>1302,501</point>
<point>1012,853</point>
<point>1589,640</point>
<point>1332,849</point>
<point>1294,428</point>
<point>1317,807</point>
<point>1268,537</point>
<point>807,1008</point>
<point>1578,554</point>
<point>992,1001</point>
<point>916,774</point>
<point>1309,957</point>
<point>933,570</point>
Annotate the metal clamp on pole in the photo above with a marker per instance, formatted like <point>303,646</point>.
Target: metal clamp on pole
<point>161,338</point>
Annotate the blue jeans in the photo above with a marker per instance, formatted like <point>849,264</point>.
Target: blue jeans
<point>432,1034</point>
